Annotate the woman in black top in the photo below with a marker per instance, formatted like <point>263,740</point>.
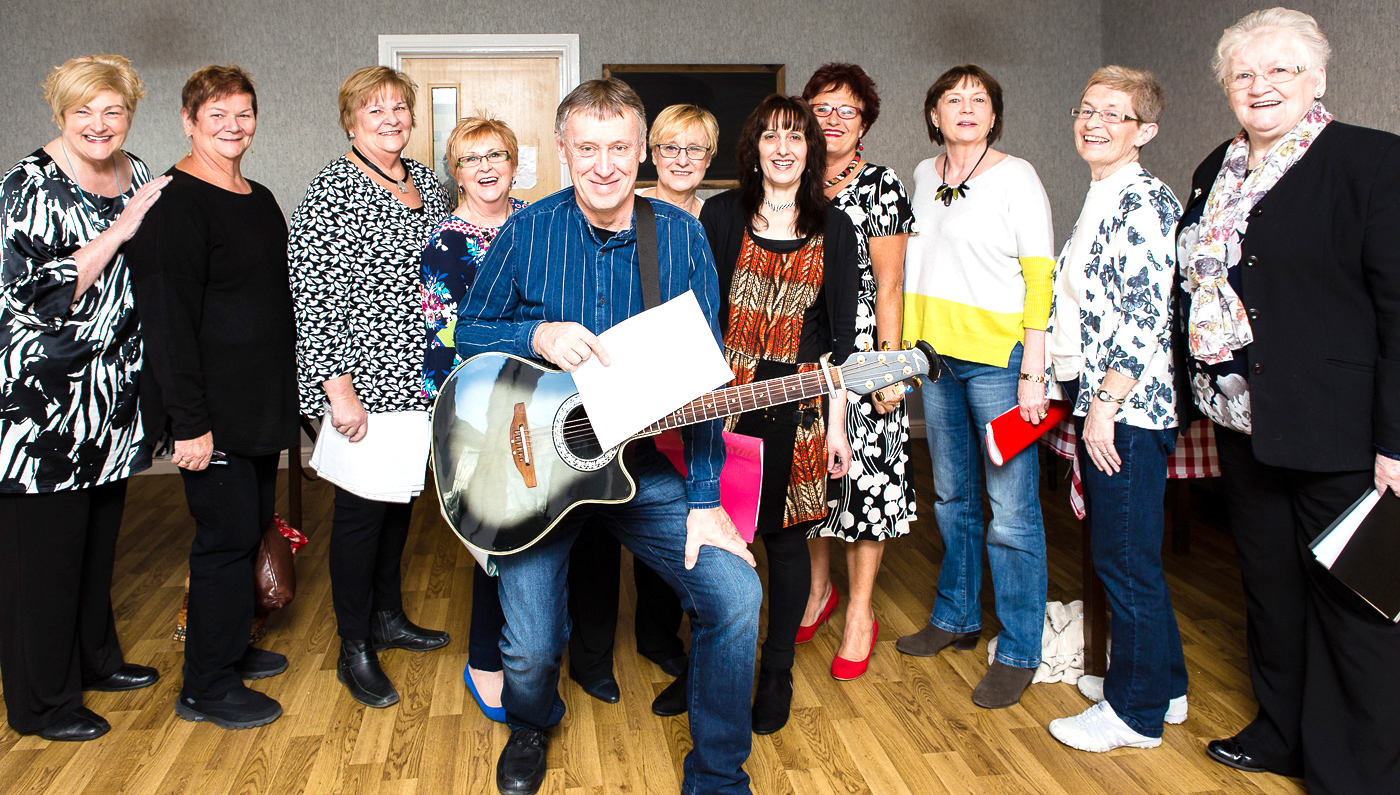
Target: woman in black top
<point>210,270</point>
<point>69,433</point>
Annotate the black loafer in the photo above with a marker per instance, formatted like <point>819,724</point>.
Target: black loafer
<point>605,690</point>
<point>675,699</point>
<point>1230,753</point>
<point>520,769</point>
<point>391,629</point>
<point>127,677</point>
<point>358,669</point>
<point>260,664</point>
<point>77,726</point>
<point>671,666</point>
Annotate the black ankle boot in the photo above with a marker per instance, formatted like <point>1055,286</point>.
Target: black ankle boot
<point>772,700</point>
<point>358,669</point>
<point>391,629</point>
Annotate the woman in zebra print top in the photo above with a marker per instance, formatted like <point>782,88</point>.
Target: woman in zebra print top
<point>69,430</point>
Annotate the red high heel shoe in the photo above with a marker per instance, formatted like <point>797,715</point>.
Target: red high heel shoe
<point>807,631</point>
<point>846,670</point>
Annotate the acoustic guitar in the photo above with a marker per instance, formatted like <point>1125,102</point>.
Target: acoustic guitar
<point>513,451</point>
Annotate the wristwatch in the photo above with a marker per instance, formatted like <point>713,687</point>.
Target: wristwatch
<point>1107,396</point>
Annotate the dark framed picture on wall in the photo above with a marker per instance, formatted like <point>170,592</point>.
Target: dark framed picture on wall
<point>730,91</point>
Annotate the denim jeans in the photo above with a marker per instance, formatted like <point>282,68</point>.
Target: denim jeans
<point>957,408</point>
<point>1125,526</point>
<point>721,594</point>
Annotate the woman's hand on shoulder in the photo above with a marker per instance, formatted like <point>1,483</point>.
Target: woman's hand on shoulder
<point>135,211</point>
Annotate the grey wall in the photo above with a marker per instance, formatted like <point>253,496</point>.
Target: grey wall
<point>300,50</point>
<point>1177,42</point>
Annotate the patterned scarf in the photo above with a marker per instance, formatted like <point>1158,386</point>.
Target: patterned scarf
<point>1217,324</point>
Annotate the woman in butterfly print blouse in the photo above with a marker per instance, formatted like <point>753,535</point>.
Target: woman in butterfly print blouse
<point>355,245</point>
<point>875,500</point>
<point>69,427</point>
<point>482,154</point>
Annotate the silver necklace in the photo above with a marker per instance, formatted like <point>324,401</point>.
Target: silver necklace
<point>777,208</point>
<point>97,221</point>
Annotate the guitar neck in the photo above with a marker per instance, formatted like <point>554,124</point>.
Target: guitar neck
<point>748,397</point>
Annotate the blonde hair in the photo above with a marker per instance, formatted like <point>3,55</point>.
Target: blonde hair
<point>80,79</point>
<point>1142,88</point>
<point>602,99</point>
<point>676,119</point>
<point>365,84</point>
<point>1301,27</point>
<point>478,128</point>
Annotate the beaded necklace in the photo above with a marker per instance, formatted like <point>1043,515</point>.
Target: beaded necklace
<point>98,222</point>
<point>837,179</point>
<point>947,194</point>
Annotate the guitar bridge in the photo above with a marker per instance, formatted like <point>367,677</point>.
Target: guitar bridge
<point>520,446</point>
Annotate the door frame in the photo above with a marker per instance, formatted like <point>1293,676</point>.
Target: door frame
<point>563,47</point>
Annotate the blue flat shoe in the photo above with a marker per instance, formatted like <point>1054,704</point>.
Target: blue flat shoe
<point>498,714</point>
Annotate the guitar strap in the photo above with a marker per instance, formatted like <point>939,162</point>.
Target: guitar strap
<point>647,257</point>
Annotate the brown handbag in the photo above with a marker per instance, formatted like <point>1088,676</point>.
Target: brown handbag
<point>274,576</point>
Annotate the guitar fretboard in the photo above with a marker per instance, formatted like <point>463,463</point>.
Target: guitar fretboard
<point>747,397</point>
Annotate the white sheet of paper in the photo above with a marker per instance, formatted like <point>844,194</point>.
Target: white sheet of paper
<point>387,465</point>
<point>661,360</point>
<point>1335,541</point>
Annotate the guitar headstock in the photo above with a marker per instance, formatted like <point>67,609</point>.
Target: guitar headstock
<point>866,371</point>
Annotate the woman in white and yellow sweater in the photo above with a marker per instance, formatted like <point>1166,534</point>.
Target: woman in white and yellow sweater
<point>977,286</point>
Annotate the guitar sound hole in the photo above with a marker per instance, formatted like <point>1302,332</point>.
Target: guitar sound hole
<point>579,436</point>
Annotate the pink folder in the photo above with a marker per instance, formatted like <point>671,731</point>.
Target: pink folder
<point>739,481</point>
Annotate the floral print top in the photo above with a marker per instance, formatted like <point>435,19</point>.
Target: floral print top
<point>1125,300</point>
<point>450,258</point>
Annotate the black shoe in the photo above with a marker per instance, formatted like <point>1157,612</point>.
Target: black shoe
<point>1230,753</point>
<point>605,689</point>
<point>358,669</point>
<point>391,629</point>
<point>520,770</point>
<point>127,677</point>
<point>260,663</point>
<point>671,666</point>
<point>240,708</point>
<point>772,700</point>
<point>77,726</point>
<point>675,699</point>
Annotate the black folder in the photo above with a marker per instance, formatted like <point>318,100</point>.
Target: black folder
<point>1370,562</point>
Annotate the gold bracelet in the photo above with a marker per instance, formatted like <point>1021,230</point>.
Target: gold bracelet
<point>1038,379</point>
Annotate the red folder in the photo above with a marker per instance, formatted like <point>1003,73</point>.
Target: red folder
<point>1008,434</point>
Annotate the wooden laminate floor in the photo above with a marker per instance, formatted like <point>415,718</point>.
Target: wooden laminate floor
<point>907,727</point>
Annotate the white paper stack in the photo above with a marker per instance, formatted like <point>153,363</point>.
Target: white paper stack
<point>386,465</point>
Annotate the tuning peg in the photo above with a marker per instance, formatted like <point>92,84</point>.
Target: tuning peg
<point>918,381</point>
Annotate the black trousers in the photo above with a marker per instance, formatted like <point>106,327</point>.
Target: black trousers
<point>56,627</point>
<point>1322,661</point>
<point>595,574</point>
<point>231,504</point>
<point>789,580</point>
<point>366,550</point>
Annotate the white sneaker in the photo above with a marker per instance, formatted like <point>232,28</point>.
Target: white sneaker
<point>1092,688</point>
<point>1099,729</point>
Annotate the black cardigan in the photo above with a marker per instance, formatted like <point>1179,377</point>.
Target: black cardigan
<point>1320,274</point>
<point>724,222</point>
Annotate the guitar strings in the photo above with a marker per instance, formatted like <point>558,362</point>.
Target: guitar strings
<point>575,430</point>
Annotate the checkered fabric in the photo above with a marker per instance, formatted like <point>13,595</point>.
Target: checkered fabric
<point>1195,456</point>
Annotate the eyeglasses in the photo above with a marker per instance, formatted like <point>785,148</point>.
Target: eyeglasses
<point>498,156</point>
<point>671,151</point>
<point>1108,116</point>
<point>847,112</point>
<point>1276,76</point>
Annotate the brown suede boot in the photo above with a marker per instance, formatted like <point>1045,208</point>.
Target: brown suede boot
<point>931,640</point>
<point>1002,686</point>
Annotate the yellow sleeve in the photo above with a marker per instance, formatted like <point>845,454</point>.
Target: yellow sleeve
<point>1039,273</point>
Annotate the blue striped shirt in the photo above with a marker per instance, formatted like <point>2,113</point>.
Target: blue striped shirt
<point>548,265</point>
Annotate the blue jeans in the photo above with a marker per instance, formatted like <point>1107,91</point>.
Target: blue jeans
<point>1125,526</point>
<point>957,408</point>
<point>721,594</point>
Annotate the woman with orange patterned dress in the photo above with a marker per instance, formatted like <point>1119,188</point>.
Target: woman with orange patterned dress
<point>788,278</point>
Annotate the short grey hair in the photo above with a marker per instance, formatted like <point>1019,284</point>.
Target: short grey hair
<point>602,99</point>
<point>1301,27</point>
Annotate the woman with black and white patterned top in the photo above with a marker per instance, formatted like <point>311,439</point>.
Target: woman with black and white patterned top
<point>356,241</point>
<point>69,427</point>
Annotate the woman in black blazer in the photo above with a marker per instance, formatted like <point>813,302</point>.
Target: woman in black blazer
<point>1290,324</point>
